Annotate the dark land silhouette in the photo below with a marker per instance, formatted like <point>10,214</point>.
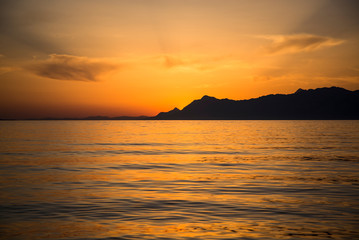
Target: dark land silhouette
<point>320,103</point>
<point>313,104</point>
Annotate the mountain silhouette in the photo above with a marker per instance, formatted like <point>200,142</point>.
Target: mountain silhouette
<point>320,103</point>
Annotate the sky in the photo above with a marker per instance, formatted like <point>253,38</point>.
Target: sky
<point>81,58</point>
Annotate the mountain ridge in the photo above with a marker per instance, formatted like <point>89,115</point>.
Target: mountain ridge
<point>321,103</point>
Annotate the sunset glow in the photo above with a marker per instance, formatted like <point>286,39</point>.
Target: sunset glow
<point>141,57</point>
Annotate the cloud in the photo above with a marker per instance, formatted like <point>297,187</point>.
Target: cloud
<point>282,44</point>
<point>68,67</point>
<point>189,63</point>
<point>199,63</point>
<point>170,62</point>
<point>6,69</point>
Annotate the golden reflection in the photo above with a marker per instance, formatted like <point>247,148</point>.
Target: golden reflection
<point>51,230</point>
<point>247,229</point>
<point>178,179</point>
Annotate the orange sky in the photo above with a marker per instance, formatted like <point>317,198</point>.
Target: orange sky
<point>140,57</point>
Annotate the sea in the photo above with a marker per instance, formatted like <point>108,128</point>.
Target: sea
<point>179,180</point>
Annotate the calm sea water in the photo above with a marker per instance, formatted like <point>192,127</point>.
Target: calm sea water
<point>179,180</point>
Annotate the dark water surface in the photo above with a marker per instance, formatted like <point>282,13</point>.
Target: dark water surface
<point>179,180</point>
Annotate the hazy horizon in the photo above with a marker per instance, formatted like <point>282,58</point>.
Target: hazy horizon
<point>144,117</point>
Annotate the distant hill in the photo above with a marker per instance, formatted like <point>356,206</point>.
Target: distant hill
<point>320,103</point>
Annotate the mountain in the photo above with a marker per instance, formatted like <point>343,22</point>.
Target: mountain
<point>320,103</point>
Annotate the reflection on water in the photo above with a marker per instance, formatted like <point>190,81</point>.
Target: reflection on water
<point>179,180</point>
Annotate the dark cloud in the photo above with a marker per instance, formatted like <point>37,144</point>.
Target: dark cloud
<point>282,44</point>
<point>334,18</point>
<point>20,24</point>
<point>67,67</point>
